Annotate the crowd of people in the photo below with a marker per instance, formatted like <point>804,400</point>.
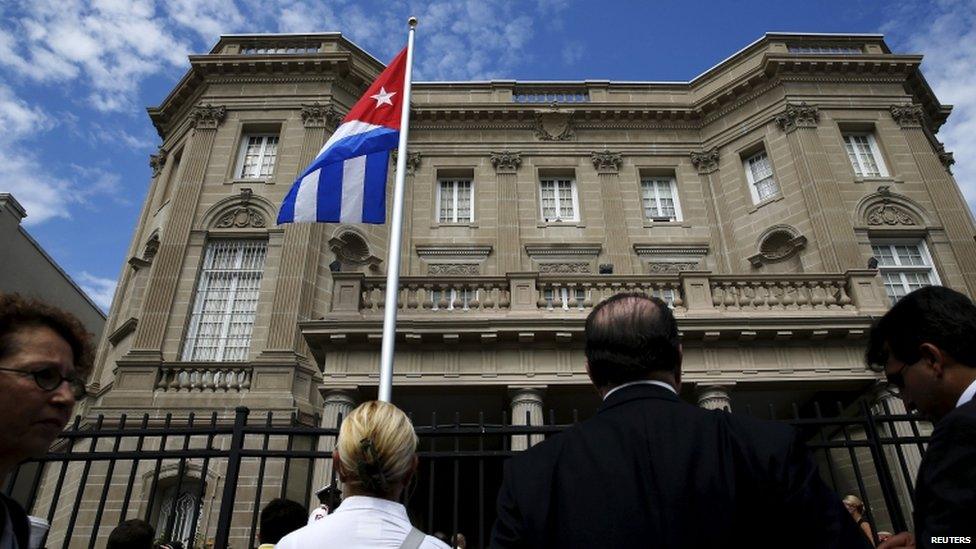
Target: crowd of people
<point>647,470</point>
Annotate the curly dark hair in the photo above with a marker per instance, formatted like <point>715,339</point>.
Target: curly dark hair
<point>18,312</point>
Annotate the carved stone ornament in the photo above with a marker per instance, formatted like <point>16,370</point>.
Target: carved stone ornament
<point>243,216</point>
<point>705,162</point>
<point>413,160</point>
<point>554,124</point>
<point>506,161</point>
<point>798,116</point>
<point>606,161</point>
<point>575,267</point>
<point>207,116</point>
<point>889,214</point>
<point>907,116</point>
<point>315,115</point>
<point>157,162</point>
<point>778,244</point>
<point>668,268</point>
<point>453,269</point>
<point>945,157</point>
<point>152,246</point>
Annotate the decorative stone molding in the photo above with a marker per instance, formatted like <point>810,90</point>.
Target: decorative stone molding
<point>474,251</point>
<point>413,160</point>
<point>315,115</point>
<point>243,216</point>
<point>798,116</point>
<point>714,397</point>
<point>670,268</point>
<point>506,161</point>
<point>554,124</point>
<point>908,116</point>
<point>152,246</point>
<point>945,157</point>
<point>669,259</point>
<point>157,162</point>
<point>454,269</point>
<point>606,161</point>
<point>207,117</point>
<point>705,162</point>
<point>562,250</point>
<point>888,214</point>
<point>776,244</point>
<point>352,251</point>
<point>580,267</point>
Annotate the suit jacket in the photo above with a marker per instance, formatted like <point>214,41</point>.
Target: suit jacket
<point>649,470</point>
<point>945,495</point>
<point>18,517</point>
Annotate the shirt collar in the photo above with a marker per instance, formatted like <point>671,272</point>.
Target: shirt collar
<point>967,395</point>
<point>357,503</point>
<point>642,382</point>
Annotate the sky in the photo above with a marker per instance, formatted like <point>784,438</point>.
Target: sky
<point>76,77</point>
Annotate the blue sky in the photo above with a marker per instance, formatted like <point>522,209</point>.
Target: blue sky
<point>76,76</point>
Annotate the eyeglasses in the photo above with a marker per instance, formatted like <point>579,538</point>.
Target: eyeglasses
<point>898,378</point>
<point>49,379</point>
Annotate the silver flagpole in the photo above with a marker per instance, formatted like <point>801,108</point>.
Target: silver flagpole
<point>396,228</point>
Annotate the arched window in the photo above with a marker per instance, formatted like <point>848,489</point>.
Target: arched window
<point>178,514</point>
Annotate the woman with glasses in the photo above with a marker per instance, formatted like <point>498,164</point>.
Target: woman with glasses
<point>376,459</point>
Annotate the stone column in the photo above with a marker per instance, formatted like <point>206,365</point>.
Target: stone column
<point>338,402</point>
<point>165,274</point>
<point>508,235</point>
<point>947,202</point>
<point>300,252</point>
<point>885,400</point>
<point>714,396</point>
<point>616,243</point>
<point>526,410</point>
<point>707,163</point>
<point>832,231</point>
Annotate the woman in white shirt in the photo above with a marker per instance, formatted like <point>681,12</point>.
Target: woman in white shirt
<point>375,458</point>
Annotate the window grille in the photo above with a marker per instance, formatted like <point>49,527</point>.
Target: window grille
<point>185,512</point>
<point>226,301</point>
<point>258,156</point>
<point>455,201</point>
<point>559,201</point>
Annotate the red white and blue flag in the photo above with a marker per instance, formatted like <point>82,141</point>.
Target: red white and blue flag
<point>346,183</point>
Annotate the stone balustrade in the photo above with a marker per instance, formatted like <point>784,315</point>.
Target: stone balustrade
<point>203,379</point>
<point>440,294</point>
<point>785,293</point>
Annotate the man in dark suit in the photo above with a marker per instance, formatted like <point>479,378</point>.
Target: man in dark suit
<point>44,356</point>
<point>926,345</point>
<point>649,470</point>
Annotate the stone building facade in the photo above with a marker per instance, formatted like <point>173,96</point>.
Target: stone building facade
<point>778,201</point>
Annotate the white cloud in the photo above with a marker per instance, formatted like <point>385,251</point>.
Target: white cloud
<point>99,289</point>
<point>945,32</point>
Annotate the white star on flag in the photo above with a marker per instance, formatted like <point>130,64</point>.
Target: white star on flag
<point>383,97</point>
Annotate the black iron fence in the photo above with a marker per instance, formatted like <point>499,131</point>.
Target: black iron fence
<point>203,482</point>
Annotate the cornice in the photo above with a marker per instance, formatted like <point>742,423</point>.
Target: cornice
<point>563,249</point>
<point>479,251</point>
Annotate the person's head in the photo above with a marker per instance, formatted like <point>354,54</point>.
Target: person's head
<point>45,355</point>
<point>854,505</point>
<point>279,518</point>
<point>631,337</point>
<point>458,541</point>
<point>131,534</point>
<point>376,452</point>
<point>926,345</point>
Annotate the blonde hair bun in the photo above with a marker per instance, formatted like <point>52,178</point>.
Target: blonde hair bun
<point>376,447</point>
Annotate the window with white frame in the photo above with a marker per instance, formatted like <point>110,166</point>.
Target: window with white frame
<point>759,172</point>
<point>454,200</point>
<point>558,199</point>
<point>456,299</point>
<point>257,156</point>
<point>178,514</point>
<point>659,197</point>
<point>862,149</point>
<point>226,301</point>
<point>904,267</point>
<point>563,297</point>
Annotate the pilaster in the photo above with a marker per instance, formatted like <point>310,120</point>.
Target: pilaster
<point>720,226</point>
<point>507,249</point>
<point>616,243</point>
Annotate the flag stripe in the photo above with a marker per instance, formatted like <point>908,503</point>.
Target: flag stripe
<point>305,198</point>
<point>374,199</point>
<point>353,180</point>
<point>330,192</point>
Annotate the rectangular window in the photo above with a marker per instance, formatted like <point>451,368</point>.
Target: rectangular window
<point>904,267</point>
<point>456,299</point>
<point>226,301</point>
<point>454,201</point>
<point>563,298</point>
<point>759,172</point>
<point>659,198</point>
<point>862,149</point>
<point>558,199</point>
<point>257,156</point>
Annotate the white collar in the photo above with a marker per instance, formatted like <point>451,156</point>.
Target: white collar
<point>357,503</point>
<point>967,395</point>
<point>640,382</point>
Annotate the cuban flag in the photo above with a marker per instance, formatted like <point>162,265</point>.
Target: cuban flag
<point>346,183</point>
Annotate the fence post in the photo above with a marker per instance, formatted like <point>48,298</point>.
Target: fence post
<point>884,472</point>
<point>230,480</point>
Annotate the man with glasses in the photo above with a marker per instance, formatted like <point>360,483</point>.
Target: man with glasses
<point>926,346</point>
<point>45,355</point>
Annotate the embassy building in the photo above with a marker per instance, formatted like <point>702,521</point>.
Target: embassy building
<point>779,202</point>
